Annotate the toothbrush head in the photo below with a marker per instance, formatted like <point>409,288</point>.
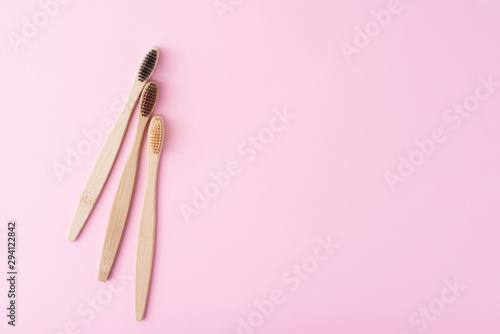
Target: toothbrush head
<point>148,98</point>
<point>148,64</point>
<point>155,134</point>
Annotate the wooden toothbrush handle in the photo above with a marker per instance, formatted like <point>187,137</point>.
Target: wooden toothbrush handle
<point>103,165</point>
<point>146,240</point>
<point>121,205</point>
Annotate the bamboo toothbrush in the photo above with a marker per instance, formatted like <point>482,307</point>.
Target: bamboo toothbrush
<point>107,157</point>
<point>146,240</point>
<point>121,204</point>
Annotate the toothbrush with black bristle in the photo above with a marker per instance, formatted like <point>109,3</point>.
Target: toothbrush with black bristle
<point>107,157</point>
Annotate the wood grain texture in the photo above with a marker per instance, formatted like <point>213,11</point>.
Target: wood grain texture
<point>109,151</point>
<point>147,229</point>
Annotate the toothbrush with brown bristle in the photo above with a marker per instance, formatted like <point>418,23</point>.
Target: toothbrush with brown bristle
<point>121,204</point>
<point>107,157</point>
<point>147,226</point>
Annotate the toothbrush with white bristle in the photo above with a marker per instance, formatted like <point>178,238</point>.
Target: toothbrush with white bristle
<point>147,225</point>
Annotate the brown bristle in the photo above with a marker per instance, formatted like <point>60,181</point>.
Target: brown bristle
<point>155,134</point>
<point>148,98</point>
<point>148,65</point>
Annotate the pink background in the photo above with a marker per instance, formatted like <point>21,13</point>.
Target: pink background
<point>220,81</point>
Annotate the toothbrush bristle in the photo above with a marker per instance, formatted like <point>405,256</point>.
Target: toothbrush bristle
<point>148,98</point>
<point>148,65</point>
<point>155,134</point>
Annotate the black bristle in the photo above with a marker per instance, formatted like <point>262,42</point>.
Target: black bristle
<point>147,66</point>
